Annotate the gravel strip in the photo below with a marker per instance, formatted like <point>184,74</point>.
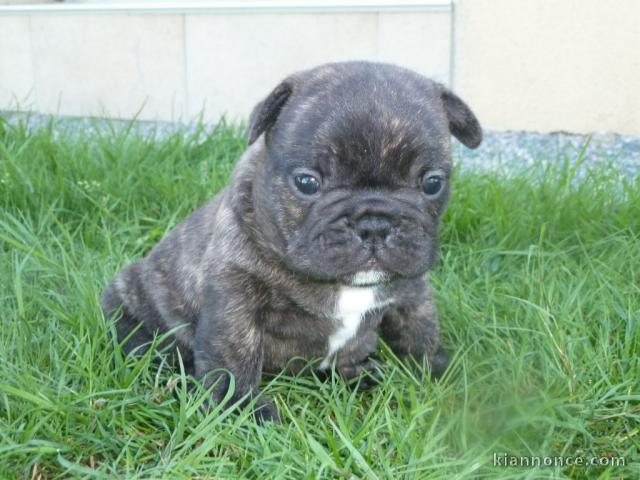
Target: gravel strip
<point>502,151</point>
<point>511,151</point>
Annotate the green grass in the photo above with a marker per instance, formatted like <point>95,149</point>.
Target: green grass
<point>538,290</point>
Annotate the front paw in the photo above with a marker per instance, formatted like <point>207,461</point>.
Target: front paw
<point>439,362</point>
<point>265,411</point>
<point>364,375</point>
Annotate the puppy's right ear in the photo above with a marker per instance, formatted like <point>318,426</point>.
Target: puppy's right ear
<point>463,124</point>
<point>265,113</point>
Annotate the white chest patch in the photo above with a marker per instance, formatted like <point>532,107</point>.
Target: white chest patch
<point>353,303</point>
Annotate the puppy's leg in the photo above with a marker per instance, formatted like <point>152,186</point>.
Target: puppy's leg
<point>137,319</point>
<point>414,331</point>
<point>229,342</point>
<point>354,360</point>
<point>119,299</point>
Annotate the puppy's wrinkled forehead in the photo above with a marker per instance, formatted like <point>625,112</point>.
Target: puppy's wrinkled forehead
<point>364,126</point>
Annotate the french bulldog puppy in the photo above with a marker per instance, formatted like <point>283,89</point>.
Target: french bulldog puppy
<point>321,241</point>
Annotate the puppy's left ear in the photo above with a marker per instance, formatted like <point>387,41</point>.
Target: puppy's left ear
<point>463,124</point>
<point>265,113</point>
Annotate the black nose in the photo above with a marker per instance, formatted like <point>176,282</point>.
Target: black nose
<point>373,227</point>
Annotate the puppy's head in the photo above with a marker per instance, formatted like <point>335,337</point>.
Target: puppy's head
<point>356,170</point>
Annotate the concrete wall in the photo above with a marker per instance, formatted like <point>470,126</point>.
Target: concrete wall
<point>550,64</point>
<point>540,65</point>
<point>174,66</point>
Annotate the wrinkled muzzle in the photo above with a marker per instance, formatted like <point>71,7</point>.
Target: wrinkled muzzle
<point>347,235</point>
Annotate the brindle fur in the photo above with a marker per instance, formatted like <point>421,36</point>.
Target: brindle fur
<point>253,276</point>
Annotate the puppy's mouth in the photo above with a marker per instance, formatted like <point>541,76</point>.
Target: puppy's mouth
<point>368,278</point>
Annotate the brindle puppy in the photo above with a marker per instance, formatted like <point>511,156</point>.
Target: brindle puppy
<point>321,241</point>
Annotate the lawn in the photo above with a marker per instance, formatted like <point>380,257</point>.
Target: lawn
<point>538,289</point>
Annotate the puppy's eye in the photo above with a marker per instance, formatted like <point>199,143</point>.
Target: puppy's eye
<point>432,185</point>
<point>306,184</point>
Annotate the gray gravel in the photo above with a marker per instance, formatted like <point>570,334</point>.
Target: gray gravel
<point>511,151</point>
<point>503,151</point>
